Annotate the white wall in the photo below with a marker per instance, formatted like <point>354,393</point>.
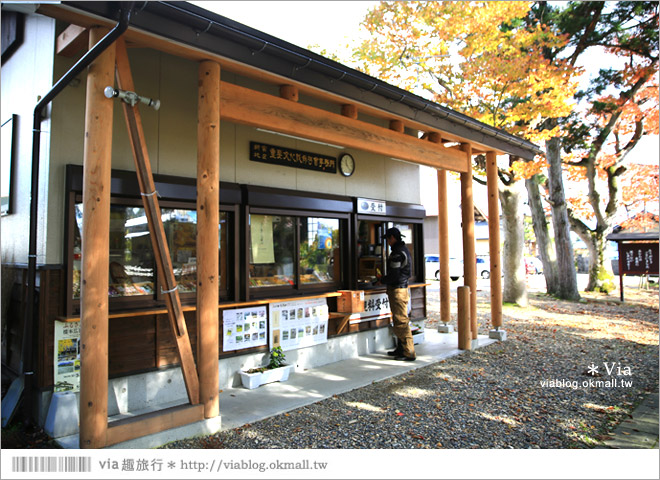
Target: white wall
<point>28,76</point>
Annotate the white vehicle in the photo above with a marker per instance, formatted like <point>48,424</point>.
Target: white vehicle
<point>432,263</point>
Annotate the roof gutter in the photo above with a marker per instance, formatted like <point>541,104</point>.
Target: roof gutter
<point>39,110</point>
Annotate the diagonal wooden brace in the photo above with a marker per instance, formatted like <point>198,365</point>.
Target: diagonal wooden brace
<point>158,239</point>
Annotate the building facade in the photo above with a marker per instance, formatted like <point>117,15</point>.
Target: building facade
<point>309,163</point>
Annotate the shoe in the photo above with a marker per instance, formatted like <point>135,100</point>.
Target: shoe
<point>405,359</point>
<point>395,353</point>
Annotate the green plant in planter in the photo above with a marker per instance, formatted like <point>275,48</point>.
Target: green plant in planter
<point>277,358</point>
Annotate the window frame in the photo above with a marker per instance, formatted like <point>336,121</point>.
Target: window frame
<point>417,272</point>
<point>179,192</point>
<point>298,288</point>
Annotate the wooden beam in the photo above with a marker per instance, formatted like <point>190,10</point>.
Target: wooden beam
<point>154,422</point>
<point>97,165</point>
<point>71,41</point>
<point>397,126</point>
<point>260,110</point>
<point>349,110</point>
<point>469,254</point>
<point>154,219</point>
<point>289,92</point>
<point>208,221</point>
<point>494,240</point>
<point>140,38</point>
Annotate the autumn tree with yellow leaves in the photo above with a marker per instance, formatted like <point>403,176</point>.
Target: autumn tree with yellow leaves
<point>487,60</point>
<point>514,65</point>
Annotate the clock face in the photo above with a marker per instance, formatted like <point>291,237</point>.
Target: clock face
<point>346,165</point>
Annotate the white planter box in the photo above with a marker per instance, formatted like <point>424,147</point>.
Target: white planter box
<point>419,337</point>
<point>254,380</point>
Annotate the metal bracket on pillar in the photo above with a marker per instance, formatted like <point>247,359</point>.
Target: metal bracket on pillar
<point>131,98</point>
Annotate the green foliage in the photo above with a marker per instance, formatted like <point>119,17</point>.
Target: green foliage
<point>605,282</point>
<point>276,358</point>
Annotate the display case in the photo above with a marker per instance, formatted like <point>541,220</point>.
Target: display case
<point>132,278</point>
<point>370,253</point>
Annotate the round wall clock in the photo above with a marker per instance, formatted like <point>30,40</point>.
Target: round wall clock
<point>346,164</point>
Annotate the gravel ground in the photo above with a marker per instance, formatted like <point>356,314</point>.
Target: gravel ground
<point>492,397</point>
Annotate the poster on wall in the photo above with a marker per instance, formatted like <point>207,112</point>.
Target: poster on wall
<point>299,324</point>
<point>261,236</point>
<point>244,328</point>
<point>67,357</point>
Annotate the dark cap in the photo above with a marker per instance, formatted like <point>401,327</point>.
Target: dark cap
<point>393,232</point>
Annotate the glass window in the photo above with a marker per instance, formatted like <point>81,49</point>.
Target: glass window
<point>181,232</point>
<point>132,262</point>
<point>271,250</point>
<point>319,250</point>
<point>131,268</point>
<point>370,252</point>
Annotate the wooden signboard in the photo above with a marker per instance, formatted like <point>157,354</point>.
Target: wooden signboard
<point>288,157</point>
<point>637,258</point>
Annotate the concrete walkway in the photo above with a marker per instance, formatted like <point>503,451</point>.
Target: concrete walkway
<point>640,431</point>
<point>239,406</point>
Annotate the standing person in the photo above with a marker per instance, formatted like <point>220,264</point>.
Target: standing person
<point>398,273</point>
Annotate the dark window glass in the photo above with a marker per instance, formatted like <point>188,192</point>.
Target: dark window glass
<point>370,252</point>
<point>319,250</point>
<point>271,250</point>
<point>131,270</point>
<point>132,263</point>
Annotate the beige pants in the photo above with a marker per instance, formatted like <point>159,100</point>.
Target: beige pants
<point>399,305</point>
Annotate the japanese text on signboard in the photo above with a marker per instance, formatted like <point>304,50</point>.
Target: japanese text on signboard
<point>261,152</point>
<point>639,258</point>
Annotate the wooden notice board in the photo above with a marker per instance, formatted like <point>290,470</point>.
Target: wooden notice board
<point>637,258</point>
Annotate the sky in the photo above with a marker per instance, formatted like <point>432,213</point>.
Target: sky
<point>302,23</point>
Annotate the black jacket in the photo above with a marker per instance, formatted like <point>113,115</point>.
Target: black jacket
<point>398,267</point>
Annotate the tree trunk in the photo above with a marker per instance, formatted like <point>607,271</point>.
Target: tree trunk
<point>543,239</point>
<point>514,289</point>
<point>600,268</point>
<point>566,274</point>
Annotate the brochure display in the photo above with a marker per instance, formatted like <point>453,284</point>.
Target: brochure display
<point>67,357</point>
<point>244,328</point>
<point>298,324</point>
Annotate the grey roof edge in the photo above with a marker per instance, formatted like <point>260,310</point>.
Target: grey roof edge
<point>200,28</point>
<point>634,236</point>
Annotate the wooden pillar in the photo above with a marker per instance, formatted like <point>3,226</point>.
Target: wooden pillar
<point>159,242</point>
<point>464,322</point>
<point>443,240</point>
<point>97,166</point>
<point>443,244</point>
<point>208,218</point>
<point>469,255</point>
<point>494,240</point>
